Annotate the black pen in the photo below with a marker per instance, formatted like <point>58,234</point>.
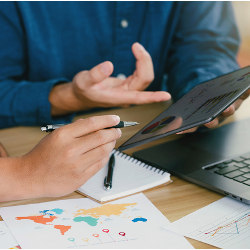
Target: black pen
<point>108,178</point>
<point>121,124</point>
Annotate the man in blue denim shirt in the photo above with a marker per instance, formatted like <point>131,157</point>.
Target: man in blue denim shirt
<point>58,58</point>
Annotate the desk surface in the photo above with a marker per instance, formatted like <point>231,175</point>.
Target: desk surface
<point>174,201</point>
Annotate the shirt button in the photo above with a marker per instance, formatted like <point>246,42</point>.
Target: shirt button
<point>124,23</point>
<point>121,76</point>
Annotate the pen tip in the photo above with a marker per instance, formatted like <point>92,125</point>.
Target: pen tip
<point>107,188</point>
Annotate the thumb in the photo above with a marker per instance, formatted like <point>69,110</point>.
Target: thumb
<point>100,72</point>
<point>144,67</point>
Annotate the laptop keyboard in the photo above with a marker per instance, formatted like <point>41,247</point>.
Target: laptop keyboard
<point>237,168</point>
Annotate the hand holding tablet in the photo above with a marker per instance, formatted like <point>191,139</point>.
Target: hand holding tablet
<point>200,106</point>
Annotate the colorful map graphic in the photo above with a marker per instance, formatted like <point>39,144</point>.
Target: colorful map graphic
<point>42,219</point>
<point>105,210</point>
<point>89,216</point>
<point>83,223</point>
<point>139,219</point>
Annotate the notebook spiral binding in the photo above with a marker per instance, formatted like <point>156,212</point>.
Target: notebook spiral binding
<point>140,163</point>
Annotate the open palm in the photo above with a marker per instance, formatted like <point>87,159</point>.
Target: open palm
<point>103,91</point>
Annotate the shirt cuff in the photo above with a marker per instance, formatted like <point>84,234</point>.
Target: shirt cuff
<point>32,106</point>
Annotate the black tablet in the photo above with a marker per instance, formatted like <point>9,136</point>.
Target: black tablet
<point>201,105</point>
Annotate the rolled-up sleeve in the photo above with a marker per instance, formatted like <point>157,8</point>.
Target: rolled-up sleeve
<point>204,46</point>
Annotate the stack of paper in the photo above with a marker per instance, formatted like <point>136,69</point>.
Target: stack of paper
<point>132,222</point>
<point>224,224</point>
<point>6,238</point>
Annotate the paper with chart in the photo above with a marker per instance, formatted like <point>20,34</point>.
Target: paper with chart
<point>132,222</point>
<point>224,224</point>
<point>6,238</point>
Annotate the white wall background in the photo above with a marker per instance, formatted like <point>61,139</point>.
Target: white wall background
<point>242,14</point>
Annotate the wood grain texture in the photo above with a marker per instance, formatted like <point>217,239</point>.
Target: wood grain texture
<point>174,201</point>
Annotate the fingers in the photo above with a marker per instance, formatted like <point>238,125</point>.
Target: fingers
<point>232,108</point>
<point>245,95</point>
<point>96,139</point>
<point>191,130</point>
<point>86,126</point>
<point>109,83</point>
<point>84,79</point>
<point>97,154</point>
<point>229,111</point>
<point>144,67</point>
<point>140,97</point>
<point>144,97</point>
<point>101,71</point>
<point>237,104</point>
<point>214,123</point>
<point>3,152</point>
<point>93,169</point>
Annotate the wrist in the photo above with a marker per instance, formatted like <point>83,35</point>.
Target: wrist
<point>15,181</point>
<point>29,177</point>
<point>63,100</point>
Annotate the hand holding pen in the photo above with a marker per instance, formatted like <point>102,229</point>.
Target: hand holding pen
<point>76,151</point>
<point>111,163</point>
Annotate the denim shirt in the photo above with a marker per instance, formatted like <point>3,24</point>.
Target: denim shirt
<point>46,43</point>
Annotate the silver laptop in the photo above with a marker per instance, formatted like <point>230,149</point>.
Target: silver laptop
<point>218,159</point>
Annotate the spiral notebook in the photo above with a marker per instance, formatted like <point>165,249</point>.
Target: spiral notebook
<point>130,176</point>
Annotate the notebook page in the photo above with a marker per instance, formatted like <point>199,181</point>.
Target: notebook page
<point>129,176</point>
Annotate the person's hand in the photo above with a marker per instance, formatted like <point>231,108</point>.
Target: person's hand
<point>226,113</point>
<point>95,88</point>
<point>65,159</point>
<point>3,152</point>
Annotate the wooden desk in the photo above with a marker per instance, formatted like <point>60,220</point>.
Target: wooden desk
<point>174,201</point>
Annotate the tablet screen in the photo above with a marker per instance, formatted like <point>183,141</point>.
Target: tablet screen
<point>202,104</point>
